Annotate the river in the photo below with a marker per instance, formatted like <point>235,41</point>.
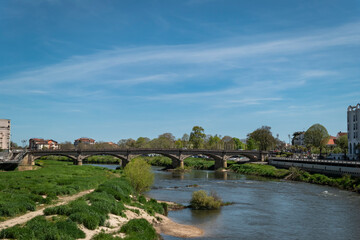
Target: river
<point>263,208</point>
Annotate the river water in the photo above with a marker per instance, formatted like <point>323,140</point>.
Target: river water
<point>263,208</point>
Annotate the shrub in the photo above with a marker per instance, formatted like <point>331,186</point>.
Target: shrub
<point>41,229</point>
<point>139,229</point>
<point>139,174</point>
<point>105,236</point>
<point>201,200</point>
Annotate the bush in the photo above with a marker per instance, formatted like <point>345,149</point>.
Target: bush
<point>139,174</point>
<point>41,229</point>
<point>139,229</point>
<point>201,200</point>
<point>105,236</point>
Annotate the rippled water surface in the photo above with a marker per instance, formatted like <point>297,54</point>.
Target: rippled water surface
<point>262,209</point>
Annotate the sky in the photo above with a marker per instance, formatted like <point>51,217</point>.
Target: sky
<point>111,70</point>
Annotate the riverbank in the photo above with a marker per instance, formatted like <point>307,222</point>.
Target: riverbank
<point>345,182</point>
<point>22,191</point>
<point>108,212</point>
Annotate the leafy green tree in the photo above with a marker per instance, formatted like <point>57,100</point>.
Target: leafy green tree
<point>316,136</point>
<point>197,137</point>
<point>342,142</point>
<point>214,142</point>
<point>179,144</point>
<point>139,174</point>
<point>263,137</point>
<point>142,142</point>
<point>238,144</point>
<point>251,144</point>
<point>165,140</point>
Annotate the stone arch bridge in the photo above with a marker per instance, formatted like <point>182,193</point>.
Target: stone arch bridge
<point>125,155</point>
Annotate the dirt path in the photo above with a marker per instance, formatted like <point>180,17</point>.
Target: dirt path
<point>27,216</point>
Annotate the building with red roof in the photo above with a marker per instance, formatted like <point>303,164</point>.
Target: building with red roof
<point>84,140</point>
<point>41,144</point>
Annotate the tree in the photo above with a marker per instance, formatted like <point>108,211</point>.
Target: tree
<point>139,174</point>
<point>342,142</point>
<point>263,137</point>
<point>185,140</point>
<point>197,137</point>
<point>165,140</point>
<point>316,136</point>
<point>238,143</point>
<point>228,142</point>
<point>66,146</point>
<point>214,142</point>
<point>251,144</point>
<point>142,142</point>
<point>179,144</point>
<point>13,145</point>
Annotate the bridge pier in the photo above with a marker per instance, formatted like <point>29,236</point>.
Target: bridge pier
<point>79,160</point>
<point>221,163</point>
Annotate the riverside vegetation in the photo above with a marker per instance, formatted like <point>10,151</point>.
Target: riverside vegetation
<point>345,182</point>
<point>24,191</point>
<point>111,196</point>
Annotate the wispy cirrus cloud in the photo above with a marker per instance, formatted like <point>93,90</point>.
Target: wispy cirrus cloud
<point>188,64</point>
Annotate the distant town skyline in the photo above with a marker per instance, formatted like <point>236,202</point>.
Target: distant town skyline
<point>111,70</point>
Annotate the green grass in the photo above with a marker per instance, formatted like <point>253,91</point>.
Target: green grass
<point>39,228</point>
<point>139,229</point>
<point>345,182</point>
<point>259,170</point>
<point>23,191</point>
<point>93,209</point>
<point>135,229</point>
<point>199,163</point>
<point>93,159</point>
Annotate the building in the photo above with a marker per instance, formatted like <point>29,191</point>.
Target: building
<point>299,139</point>
<point>4,134</point>
<point>340,134</point>
<point>84,141</point>
<point>331,142</point>
<point>353,124</point>
<point>42,144</point>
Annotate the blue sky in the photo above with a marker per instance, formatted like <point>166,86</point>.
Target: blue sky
<point>123,69</point>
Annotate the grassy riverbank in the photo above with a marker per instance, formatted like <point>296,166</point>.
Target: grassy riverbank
<point>345,182</point>
<point>24,191</point>
<point>112,211</point>
<point>92,211</point>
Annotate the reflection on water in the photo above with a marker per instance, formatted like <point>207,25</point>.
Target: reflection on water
<point>263,208</point>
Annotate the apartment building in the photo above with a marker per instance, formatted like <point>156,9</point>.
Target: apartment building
<point>4,134</point>
<point>353,124</point>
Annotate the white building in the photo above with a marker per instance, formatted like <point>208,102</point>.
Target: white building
<point>353,121</point>
<point>4,134</point>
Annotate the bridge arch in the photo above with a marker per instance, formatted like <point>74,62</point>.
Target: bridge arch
<point>121,158</point>
<point>176,162</point>
<point>54,154</point>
